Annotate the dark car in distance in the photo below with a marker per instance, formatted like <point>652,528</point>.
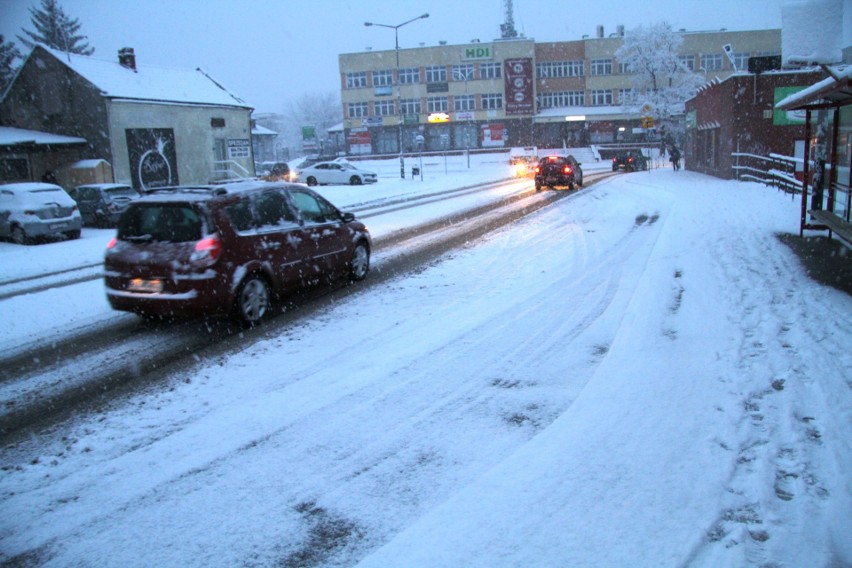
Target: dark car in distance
<point>630,161</point>
<point>101,204</point>
<point>558,171</point>
<point>229,248</point>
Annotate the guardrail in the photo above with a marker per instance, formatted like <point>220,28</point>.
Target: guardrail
<point>775,170</point>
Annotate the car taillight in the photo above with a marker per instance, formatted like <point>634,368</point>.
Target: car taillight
<point>566,170</point>
<point>615,160</point>
<point>111,244</point>
<point>207,250</point>
<point>629,159</point>
<point>538,169</point>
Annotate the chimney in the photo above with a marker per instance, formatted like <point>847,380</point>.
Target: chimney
<point>600,31</point>
<point>620,30</point>
<point>127,58</point>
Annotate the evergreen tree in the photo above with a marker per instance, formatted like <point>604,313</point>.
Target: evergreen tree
<point>55,29</point>
<point>8,54</point>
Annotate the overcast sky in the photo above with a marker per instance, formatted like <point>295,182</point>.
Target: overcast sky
<point>269,52</point>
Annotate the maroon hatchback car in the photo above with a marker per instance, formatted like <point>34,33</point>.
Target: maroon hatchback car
<point>229,248</point>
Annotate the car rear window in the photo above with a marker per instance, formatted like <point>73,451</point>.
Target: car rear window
<point>122,192</point>
<point>162,222</point>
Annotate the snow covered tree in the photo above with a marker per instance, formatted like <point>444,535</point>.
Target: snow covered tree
<point>661,80</point>
<point>55,29</point>
<point>8,54</point>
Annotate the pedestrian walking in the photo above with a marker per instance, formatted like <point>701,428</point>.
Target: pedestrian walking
<point>674,154</point>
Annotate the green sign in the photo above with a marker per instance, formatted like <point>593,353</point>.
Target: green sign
<point>411,119</point>
<point>787,117</point>
<point>478,52</point>
<point>309,132</point>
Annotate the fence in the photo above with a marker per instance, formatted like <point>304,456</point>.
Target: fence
<point>775,170</point>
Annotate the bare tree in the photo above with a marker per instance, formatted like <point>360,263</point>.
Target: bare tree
<point>55,29</point>
<point>319,110</point>
<point>661,80</point>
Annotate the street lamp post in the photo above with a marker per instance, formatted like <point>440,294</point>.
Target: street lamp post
<point>398,88</point>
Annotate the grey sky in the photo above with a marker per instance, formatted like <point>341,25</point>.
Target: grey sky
<point>269,52</point>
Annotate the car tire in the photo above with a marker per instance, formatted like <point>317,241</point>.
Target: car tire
<point>354,180</point>
<point>537,187</point>
<point>359,266</point>
<point>73,235</point>
<point>19,236</point>
<point>311,181</point>
<point>253,300</point>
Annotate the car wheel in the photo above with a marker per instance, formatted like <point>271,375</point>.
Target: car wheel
<point>73,235</point>
<point>19,237</point>
<point>311,180</point>
<point>253,300</point>
<point>537,187</point>
<point>359,266</point>
<point>355,180</point>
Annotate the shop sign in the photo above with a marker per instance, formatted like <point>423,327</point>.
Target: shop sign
<point>519,86</point>
<point>476,53</point>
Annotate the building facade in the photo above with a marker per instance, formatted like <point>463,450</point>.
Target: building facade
<point>737,116</point>
<point>155,126</point>
<point>513,92</point>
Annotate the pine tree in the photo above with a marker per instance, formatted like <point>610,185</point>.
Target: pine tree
<point>55,29</point>
<point>8,54</point>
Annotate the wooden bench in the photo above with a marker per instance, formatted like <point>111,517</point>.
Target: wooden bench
<point>833,223</point>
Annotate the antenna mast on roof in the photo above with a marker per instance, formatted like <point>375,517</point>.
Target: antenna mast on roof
<point>507,28</point>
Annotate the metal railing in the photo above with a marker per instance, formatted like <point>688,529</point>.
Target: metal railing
<point>229,170</point>
<point>774,170</point>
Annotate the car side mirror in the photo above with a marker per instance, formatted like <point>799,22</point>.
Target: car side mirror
<point>347,217</point>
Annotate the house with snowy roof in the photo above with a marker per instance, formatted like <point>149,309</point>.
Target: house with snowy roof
<point>156,126</point>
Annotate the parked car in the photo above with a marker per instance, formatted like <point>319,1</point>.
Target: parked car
<point>324,173</point>
<point>275,171</point>
<point>558,171</point>
<point>630,161</point>
<point>34,211</point>
<point>101,204</point>
<point>229,248</point>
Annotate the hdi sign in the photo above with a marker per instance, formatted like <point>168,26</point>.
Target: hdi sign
<point>478,52</point>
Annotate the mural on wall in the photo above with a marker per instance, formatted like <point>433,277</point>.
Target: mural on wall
<point>153,157</point>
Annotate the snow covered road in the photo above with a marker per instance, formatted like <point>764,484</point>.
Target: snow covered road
<point>641,375</point>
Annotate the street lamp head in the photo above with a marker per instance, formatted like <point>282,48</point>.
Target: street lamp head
<point>368,24</point>
<point>424,16</point>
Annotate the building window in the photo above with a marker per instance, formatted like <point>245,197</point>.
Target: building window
<point>624,95</point>
<point>490,70</point>
<point>357,110</point>
<point>437,104</point>
<point>409,75</point>
<point>410,106</point>
<point>548,69</point>
<point>711,61</point>
<point>383,78</point>
<point>436,74</point>
<point>741,61</point>
<point>464,102</point>
<point>601,97</point>
<point>384,108</point>
<point>623,68</point>
<point>463,72</point>
<point>492,101</point>
<point>687,61</point>
<point>561,99</point>
<point>601,66</point>
<point>356,80</point>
